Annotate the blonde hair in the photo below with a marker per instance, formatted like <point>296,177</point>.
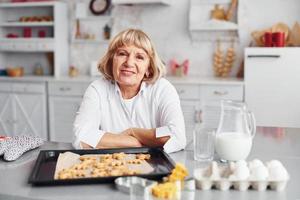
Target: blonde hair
<point>139,39</point>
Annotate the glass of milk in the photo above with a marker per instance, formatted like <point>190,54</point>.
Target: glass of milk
<point>235,132</point>
<point>204,138</point>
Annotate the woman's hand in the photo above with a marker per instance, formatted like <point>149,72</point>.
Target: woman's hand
<point>85,146</point>
<point>146,137</point>
<point>131,137</point>
<point>111,140</point>
<point>128,132</point>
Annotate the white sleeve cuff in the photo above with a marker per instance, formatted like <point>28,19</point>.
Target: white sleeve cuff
<point>172,145</point>
<point>162,131</point>
<point>92,138</point>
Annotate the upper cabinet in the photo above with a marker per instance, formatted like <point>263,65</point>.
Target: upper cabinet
<point>213,20</point>
<point>163,2</point>
<point>34,35</point>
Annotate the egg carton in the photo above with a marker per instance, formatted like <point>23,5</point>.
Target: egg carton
<point>242,176</point>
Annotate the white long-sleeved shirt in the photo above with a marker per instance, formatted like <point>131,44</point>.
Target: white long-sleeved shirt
<point>155,106</point>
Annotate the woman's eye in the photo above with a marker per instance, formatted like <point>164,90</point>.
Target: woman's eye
<point>121,54</point>
<point>140,57</point>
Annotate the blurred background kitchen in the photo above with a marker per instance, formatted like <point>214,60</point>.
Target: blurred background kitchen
<point>213,50</point>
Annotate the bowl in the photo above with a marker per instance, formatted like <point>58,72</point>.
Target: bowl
<point>15,71</point>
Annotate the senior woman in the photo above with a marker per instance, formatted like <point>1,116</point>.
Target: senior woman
<point>132,105</point>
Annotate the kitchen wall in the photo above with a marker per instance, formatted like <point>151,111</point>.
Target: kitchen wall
<point>260,14</point>
<point>168,28</point>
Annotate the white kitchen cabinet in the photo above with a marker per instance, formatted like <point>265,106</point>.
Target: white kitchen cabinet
<point>201,100</point>
<point>62,111</point>
<point>64,101</point>
<point>221,91</point>
<point>272,85</point>
<point>211,96</point>
<point>189,99</point>
<point>192,115</point>
<point>188,91</point>
<point>6,113</point>
<point>23,109</point>
<point>46,42</point>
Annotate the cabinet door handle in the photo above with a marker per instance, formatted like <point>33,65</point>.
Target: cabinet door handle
<point>11,121</point>
<point>64,89</point>
<point>220,93</point>
<point>180,91</point>
<point>263,56</point>
<point>198,116</point>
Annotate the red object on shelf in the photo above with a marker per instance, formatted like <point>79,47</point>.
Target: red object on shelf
<point>12,35</point>
<point>38,0</point>
<point>278,39</point>
<point>17,1</point>
<point>27,32</point>
<point>42,33</point>
<point>268,41</point>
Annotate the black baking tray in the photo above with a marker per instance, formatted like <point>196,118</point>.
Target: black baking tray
<point>44,168</point>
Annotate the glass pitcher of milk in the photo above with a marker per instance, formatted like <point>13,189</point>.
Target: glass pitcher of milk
<point>235,132</point>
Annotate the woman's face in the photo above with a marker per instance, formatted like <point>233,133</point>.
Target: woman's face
<point>130,64</point>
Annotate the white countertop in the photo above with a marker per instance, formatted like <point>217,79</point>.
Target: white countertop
<point>172,79</point>
<point>268,144</point>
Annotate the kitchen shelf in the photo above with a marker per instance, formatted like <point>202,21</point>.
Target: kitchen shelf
<point>214,1</point>
<point>91,25</point>
<point>202,27</point>
<point>51,51</point>
<point>27,4</point>
<point>21,40</point>
<point>26,24</point>
<point>27,45</point>
<point>163,2</point>
<point>214,25</point>
<point>93,18</point>
<point>89,41</point>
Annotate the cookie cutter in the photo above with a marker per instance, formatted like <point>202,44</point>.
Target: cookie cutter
<point>125,183</point>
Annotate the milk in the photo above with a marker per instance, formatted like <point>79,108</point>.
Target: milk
<point>233,146</point>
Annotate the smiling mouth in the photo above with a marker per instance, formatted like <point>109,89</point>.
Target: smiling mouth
<point>127,72</point>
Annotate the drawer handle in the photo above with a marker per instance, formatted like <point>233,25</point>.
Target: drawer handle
<point>263,56</point>
<point>181,91</point>
<point>198,116</point>
<point>11,121</point>
<point>220,93</point>
<point>64,89</point>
